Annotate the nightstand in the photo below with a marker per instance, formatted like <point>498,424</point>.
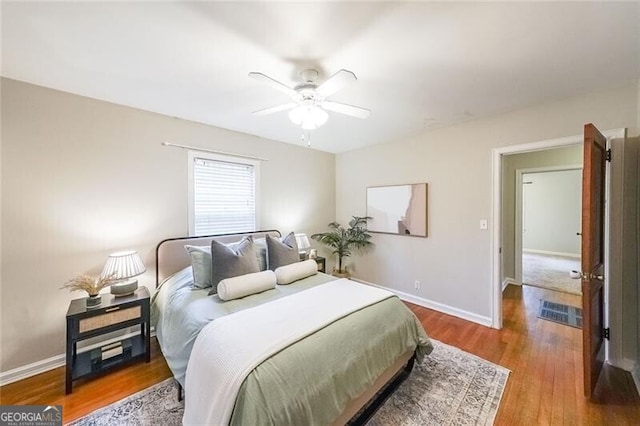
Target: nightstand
<point>113,314</point>
<point>322,266</point>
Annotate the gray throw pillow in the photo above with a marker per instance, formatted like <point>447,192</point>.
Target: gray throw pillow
<point>201,265</point>
<point>228,261</point>
<point>281,253</point>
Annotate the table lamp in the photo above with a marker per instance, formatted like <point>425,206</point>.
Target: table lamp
<point>303,244</point>
<point>123,266</point>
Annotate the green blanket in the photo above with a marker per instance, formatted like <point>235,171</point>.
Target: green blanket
<point>312,381</point>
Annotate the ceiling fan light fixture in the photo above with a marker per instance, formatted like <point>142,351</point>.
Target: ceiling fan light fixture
<point>310,117</point>
<point>309,105</point>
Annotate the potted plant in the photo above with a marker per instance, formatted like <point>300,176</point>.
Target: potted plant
<point>92,285</point>
<point>343,240</point>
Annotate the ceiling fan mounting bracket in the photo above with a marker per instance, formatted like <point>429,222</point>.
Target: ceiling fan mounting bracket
<point>309,75</point>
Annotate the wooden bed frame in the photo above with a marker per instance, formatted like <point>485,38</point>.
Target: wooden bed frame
<point>171,257</point>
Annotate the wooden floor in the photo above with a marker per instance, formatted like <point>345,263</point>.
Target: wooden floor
<point>544,387</point>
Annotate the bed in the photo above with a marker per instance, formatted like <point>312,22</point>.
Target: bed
<point>336,372</point>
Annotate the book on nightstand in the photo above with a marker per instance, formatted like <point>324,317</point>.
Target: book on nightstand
<point>104,353</point>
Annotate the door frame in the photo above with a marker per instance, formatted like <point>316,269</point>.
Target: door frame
<point>496,212</point>
<point>519,205</point>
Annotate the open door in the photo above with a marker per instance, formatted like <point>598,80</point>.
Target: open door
<point>593,193</point>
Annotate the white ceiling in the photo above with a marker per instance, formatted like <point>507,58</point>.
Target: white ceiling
<point>418,64</point>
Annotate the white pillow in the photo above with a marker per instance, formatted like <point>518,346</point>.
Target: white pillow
<point>296,271</point>
<point>244,285</point>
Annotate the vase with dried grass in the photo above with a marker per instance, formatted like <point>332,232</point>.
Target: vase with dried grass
<point>92,285</point>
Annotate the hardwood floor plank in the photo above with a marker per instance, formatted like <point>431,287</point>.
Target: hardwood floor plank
<point>88,395</point>
<point>544,387</point>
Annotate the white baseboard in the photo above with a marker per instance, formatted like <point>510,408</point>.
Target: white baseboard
<point>32,369</point>
<point>631,366</point>
<point>45,365</point>
<point>635,374</point>
<point>551,253</point>
<point>436,306</point>
<point>508,281</point>
<point>625,364</point>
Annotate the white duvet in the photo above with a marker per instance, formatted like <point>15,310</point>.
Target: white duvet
<point>229,348</point>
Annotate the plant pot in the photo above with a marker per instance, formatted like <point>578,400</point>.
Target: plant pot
<point>93,301</point>
<point>339,274</point>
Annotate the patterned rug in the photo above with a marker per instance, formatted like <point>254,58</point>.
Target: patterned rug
<point>550,272</point>
<point>450,387</point>
<point>562,314</point>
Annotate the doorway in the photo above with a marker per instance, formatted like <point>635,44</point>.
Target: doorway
<point>500,275</point>
<point>548,223</point>
<point>615,208</point>
<point>541,223</point>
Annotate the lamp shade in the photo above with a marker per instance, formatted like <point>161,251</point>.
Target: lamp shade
<point>303,242</point>
<point>123,265</point>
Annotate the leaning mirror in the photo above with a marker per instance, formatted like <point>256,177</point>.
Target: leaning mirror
<point>398,209</point>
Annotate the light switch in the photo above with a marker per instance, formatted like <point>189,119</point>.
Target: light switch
<point>483,224</point>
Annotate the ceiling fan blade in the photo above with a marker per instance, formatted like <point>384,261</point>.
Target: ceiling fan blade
<point>336,82</point>
<point>273,83</point>
<point>351,110</point>
<point>276,108</point>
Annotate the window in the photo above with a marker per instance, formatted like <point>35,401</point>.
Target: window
<point>222,194</point>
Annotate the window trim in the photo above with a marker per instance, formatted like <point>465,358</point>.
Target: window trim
<point>192,155</point>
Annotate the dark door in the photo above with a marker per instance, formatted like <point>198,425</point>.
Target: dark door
<point>593,191</point>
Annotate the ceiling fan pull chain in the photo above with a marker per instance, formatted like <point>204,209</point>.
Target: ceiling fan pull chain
<point>302,138</point>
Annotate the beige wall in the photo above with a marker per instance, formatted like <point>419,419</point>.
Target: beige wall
<point>623,246</point>
<point>631,253</point>
<point>636,132</point>
<point>1,227</point>
<point>557,157</point>
<point>637,367</point>
<point>453,263</point>
<point>551,211</point>
<point>82,178</point>
<point>638,112</point>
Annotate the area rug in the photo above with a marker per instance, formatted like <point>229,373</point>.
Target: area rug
<point>563,314</point>
<point>550,272</point>
<point>450,387</point>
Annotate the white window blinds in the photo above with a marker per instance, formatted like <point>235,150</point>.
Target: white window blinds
<point>224,196</point>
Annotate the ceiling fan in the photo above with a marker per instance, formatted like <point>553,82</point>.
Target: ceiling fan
<point>309,99</point>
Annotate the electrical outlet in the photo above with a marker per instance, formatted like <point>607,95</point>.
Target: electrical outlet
<point>416,285</point>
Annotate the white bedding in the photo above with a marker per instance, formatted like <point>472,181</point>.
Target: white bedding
<point>179,313</point>
<point>229,348</point>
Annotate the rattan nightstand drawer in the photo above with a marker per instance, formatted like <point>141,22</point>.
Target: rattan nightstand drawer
<point>109,318</point>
